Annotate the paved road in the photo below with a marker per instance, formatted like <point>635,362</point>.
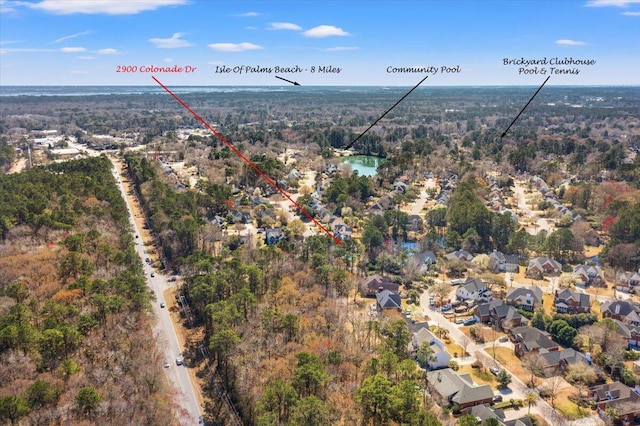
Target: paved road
<point>168,340</point>
<point>541,223</point>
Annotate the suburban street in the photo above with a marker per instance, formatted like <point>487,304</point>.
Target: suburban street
<point>517,388</point>
<point>168,343</point>
<point>540,222</point>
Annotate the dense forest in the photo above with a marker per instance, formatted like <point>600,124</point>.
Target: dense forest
<point>76,345</point>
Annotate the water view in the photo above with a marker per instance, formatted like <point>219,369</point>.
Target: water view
<point>366,165</point>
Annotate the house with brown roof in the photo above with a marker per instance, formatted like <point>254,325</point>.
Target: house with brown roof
<point>372,284</point>
<point>462,255</point>
<point>529,339</point>
<point>571,302</point>
<point>624,400</point>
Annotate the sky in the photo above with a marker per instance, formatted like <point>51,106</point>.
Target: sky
<point>86,42</point>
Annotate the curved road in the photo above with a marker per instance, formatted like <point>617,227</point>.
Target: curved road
<point>168,343</point>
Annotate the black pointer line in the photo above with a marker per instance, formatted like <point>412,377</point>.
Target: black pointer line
<point>295,83</point>
<point>525,107</point>
<point>394,105</point>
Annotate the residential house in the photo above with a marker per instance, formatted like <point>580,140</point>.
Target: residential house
<point>449,388</point>
<point>415,223</point>
<point>440,354</point>
<point>499,262</point>
<point>589,275</point>
<point>386,299</point>
<point>472,288</point>
<point>340,229</point>
<point>623,310</point>
<point>526,298</point>
<point>630,332</point>
<point>422,261</point>
<point>506,317</point>
<point>592,238</point>
<point>557,362</point>
<point>400,186</point>
<point>627,316</point>
<point>459,255</point>
<point>372,284</point>
<point>484,412</point>
<point>482,311</point>
<point>273,236</point>
<point>568,301</point>
<point>626,281</point>
<point>529,339</point>
<point>624,400</point>
<point>543,266</point>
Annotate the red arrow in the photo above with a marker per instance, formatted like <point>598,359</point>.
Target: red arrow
<point>246,160</point>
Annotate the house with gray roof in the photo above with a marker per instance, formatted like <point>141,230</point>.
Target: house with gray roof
<point>473,289</point>
<point>482,311</point>
<point>624,400</point>
<point>526,298</point>
<point>543,266</point>
<point>500,262</point>
<point>485,412</point>
<point>626,280</point>
<point>568,301</point>
<point>422,261</point>
<point>505,317</point>
<point>589,275</point>
<point>529,339</point>
<point>440,354</point>
<point>556,363</point>
<point>463,255</point>
<point>448,388</point>
<point>386,299</point>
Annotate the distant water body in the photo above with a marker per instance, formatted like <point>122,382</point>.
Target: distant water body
<point>143,90</point>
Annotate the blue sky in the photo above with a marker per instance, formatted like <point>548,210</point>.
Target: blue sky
<point>82,42</point>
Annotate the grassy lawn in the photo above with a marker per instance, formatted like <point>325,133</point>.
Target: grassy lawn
<point>453,348</point>
<point>487,332</point>
<point>508,359</point>
<point>547,303</point>
<point>566,407</point>
<point>479,377</point>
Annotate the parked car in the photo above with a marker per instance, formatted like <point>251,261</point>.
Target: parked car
<point>469,321</point>
<point>153,274</point>
<point>494,370</point>
<point>497,398</point>
<point>459,321</point>
<point>162,305</point>
<point>166,364</point>
<point>179,360</point>
<point>445,308</point>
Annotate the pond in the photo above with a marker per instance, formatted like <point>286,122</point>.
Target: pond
<point>366,165</point>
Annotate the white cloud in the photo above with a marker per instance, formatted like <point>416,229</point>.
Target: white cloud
<point>566,42</point>
<point>72,49</point>
<point>631,13</point>
<point>173,42</point>
<point>234,47</point>
<point>108,51</point>
<point>247,15</point>
<point>250,28</point>
<point>284,26</point>
<point>616,3</point>
<point>69,37</point>
<point>109,7</point>
<point>167,60</point>
<point>340,48</point>
<point>10,42</point>
<point>86,58</point>
<point>325,31</point>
